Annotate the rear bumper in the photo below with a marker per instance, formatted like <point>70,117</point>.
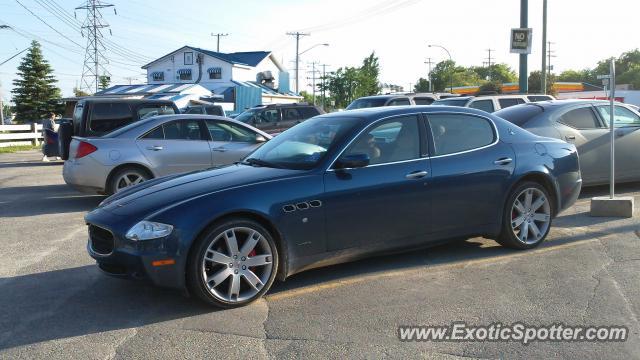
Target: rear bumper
<point>569,193</point>
<point>86,175</point>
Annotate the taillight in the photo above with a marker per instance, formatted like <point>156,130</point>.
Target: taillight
<point>85,149</point>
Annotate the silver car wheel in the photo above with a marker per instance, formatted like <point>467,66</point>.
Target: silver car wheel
<point>530,215</point>
<point>128,179</point>
<point>237,264</point>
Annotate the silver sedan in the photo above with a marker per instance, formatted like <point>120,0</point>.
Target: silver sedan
<point>585,123</point>
<point>158,146</point>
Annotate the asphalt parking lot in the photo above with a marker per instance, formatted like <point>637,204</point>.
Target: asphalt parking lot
<point>56,304</point>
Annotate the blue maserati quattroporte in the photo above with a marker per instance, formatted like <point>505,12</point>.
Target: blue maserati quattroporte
<point>332,189</point>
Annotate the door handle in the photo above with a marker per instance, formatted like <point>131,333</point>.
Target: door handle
<point>154,148</point>
<point>220,149</point>
<point>503,161</point>
<point>416,174</point>
<point>570,137</point>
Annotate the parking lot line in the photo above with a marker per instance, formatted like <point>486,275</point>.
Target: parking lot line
<point>389,274</point>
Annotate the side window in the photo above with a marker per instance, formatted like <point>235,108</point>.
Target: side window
<point>423,101</point>
<point>454,133</point>
<point>398,102</point>
<point>290,114</point>
<point>106,117</point>
<point>214,110</point>
<point>309,112</point>
<point>484,105</point>
<point>156,133</point>
<point>148,111</point>
<point>621,116</point>
<point>505,103</point>
<point>269,116</point>
<point>392,140</point>
<point>581,118</point>
<point>224,131</point>
<point>182,130</point>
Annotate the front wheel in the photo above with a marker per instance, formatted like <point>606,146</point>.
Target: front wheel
<point>233,264</point>
<point>527,217</point>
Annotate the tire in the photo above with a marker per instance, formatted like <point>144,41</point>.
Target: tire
<point>211,278</point>
<point>133,175</point>
<point>65,131</point>
<point>523,226</point>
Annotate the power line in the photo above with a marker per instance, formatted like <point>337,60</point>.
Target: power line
<point>429,63</point>
<point>44,22</point>
<point>489,58</point>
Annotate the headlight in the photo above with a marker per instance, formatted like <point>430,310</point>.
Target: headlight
<point>147,230</point>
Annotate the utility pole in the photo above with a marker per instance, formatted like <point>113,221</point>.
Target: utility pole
<point>550,54</point>
<point>429,62</point>
<point>297,34</point>
<point>313,80</point>
<point>130,79</point>
<point>543,73</point>
<point>94,57</point>
<point>218,35</point>
<point>324,79</point>
<point>523,73</point>
<point>489,62</point>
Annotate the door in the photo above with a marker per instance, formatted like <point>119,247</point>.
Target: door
<point>230,142</point>
<point>470,170</point>
<point>176,146</point>
<point>385,204</point>
<point>627,134</point>
<point>582,127</point>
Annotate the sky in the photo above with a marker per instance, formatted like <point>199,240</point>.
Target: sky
<point>582,32</point>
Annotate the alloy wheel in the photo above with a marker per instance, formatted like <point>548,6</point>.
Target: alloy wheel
<point>530,215</point>
<point>237,264</point>
<point>128,179</point>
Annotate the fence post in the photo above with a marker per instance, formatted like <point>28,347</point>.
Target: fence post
<point>34,130</point>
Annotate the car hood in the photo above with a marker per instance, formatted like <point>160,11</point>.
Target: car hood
<point>159,193</point>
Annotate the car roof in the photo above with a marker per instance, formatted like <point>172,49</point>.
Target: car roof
<point>376,113</point>
<point>383,96</point>
<point>127,101</point>
<point>457,98</point>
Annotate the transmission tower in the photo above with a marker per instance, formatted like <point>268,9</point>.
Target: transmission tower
<point>94,56</point>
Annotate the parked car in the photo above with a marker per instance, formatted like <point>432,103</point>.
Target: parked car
<point>211,109</point>
<point>379,100</point>
<point>155,147</point>
<point>275,118</point>
<point>94,117</point>
<point>492,103</point>
<point>335,188</point>
<point>585,123</point>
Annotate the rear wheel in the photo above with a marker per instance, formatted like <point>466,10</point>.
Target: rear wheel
<point>233,264</point>
<point>126,177</point>
<point>527,217</point>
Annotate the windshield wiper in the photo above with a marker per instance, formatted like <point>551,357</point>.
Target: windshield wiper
<point>260,162</point>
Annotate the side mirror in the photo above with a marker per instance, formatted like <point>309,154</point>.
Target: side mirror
<point>260,139</point>
<point>352,161</point>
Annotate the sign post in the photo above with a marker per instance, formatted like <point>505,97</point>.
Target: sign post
<point>612,206</point>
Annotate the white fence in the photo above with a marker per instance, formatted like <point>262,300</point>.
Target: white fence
<point>20,134</point>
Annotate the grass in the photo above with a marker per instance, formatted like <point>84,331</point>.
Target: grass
<point>14,148</point>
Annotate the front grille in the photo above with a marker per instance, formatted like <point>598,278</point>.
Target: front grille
<point>101,240</point>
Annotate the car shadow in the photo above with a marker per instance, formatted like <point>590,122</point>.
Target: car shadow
<point>81,300</point>
<point>17,164</point>
<point>18,201</point>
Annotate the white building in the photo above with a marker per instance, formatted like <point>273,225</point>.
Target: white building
<point>244,78</point>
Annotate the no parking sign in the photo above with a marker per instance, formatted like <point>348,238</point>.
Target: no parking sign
<point>521,40</point>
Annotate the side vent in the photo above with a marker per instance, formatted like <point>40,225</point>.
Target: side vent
<point>289,208</point>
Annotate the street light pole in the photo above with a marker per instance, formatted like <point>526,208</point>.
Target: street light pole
<point>297,34</point>
<point>543,73</point>
<point>451,63</point>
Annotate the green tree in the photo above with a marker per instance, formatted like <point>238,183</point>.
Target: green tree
<point>306,97</point>
<point>35,94</point>
<point>535,82</point>
<point>447,71</point>
<point>349,83</point>
<point>422,85</point>
<point>491,87</point>
<point>368,76</point>
<point>501,73</point>
<point>103,82</point>
<point>79,93</point>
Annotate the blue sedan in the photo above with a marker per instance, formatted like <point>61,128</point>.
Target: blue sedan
<point>333,189</point>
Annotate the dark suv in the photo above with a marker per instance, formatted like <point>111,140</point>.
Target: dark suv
<point>94,117</point>
<point>275,118</point>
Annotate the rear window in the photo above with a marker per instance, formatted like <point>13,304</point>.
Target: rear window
<point>536,98</point>
<point>423,100</point>
<point>504,103</point>
<point>451,102</point>
<point>366,103</point>
<point>106,117</point>
<point>520,115</point>
<point>309,112</point>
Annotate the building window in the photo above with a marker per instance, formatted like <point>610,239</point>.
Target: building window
<point>157,76</point>
<point>215,72</point>
<point>188,58</point>
<point>184,74</point>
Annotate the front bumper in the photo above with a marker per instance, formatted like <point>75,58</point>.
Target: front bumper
<point>135,259</point>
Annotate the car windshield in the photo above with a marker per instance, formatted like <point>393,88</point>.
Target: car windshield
<point>451,102</point>
<point>303,146</point>
<point>519,114</point>
<point>247,115</point>
<point>366,103</point>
